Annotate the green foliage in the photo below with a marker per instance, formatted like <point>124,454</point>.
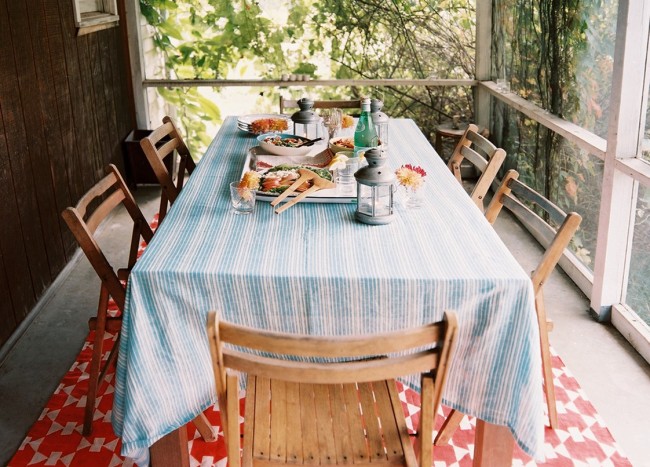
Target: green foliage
<point>558,54</point>
<point>345,39</point>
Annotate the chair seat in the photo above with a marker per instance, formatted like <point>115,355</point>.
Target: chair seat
<point>359,423</point>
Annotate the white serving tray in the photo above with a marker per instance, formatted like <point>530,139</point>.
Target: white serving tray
<point>259,160</point>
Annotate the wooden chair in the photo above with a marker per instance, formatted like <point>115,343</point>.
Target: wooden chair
<point>83,220</point>
<point>556,233</point>
<point>483,155</point>
<point>334,104</point>
<point>316,413</point>
<point>162,142</point>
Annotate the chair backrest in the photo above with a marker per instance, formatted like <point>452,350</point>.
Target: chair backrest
<point>483,155</point>
<point>425,350</point>
<point>91,210</point>
<point>556,232</point>
<point>333,104</point>
<point>162,142</point>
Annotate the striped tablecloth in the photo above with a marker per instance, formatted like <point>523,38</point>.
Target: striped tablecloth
<point>314,269</point>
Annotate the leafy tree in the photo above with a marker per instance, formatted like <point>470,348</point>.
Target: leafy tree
<point>341,38</point>
<point>558,54</point>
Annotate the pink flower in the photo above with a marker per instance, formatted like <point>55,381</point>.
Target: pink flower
<point>410,176</point>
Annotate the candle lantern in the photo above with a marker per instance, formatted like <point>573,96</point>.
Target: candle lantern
<point>380,120</point>
<point>306,122</point>
<point>375,188</point>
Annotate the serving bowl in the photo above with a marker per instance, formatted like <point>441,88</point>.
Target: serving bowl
<point>281,144</point>
<point>342,143</point>
<point>339,144</point>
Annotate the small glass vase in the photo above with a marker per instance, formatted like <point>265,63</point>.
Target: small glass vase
<point>413,198</point>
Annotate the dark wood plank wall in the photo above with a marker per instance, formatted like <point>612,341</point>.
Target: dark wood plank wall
<point>64,111</point>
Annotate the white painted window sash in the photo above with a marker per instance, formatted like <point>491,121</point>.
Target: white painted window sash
<point>94,15</point>
<point>625,136</point>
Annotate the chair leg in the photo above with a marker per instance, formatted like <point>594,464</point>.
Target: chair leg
<point>95,362</point>
<point>449,426</point>
<point>112,358</point>
<point>204,428</point>
<point>162,211</point>
<point>547,367</point>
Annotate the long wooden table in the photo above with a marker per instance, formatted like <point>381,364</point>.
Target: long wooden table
<point>314,269</point>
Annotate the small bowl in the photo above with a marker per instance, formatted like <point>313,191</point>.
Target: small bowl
<point>338,144</point>
<point>283,150</point>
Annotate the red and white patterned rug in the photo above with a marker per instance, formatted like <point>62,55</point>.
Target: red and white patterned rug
<point>56,439</point>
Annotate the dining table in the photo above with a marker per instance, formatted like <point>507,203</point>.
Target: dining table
<point>315,270</point>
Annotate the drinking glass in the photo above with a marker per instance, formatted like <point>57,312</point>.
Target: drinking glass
<point>242,199</point>
<point>344,177</point>
<point>503,85</point>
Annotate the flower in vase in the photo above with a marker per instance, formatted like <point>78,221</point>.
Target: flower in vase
<point>410,176</point>
<point>347,121</point>
<point>249,182</point>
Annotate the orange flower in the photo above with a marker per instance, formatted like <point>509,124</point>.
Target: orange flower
<point>347,121</point>
<point>250,180</point>
<point>410,176</point>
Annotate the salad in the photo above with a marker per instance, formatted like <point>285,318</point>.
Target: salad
<point>280,177</point>
<point>284,142</point>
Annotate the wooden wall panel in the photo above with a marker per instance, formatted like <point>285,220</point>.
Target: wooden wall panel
<point>81,100</point>
<point>64,112</point>
<point>7,319</point>
<point>52,159</point>
<point>15,187</point>
<point>116,70</point>
<point>108,89</point>
<point>38,212</point>
<point>9,210</point>
<point>69,154</point>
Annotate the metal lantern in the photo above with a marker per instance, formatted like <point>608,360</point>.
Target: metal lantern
<point>306,122</point>
<point>375,188</point>
<point>380,120</point>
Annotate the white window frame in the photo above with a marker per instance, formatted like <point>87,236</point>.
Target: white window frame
<point>624,170</point>
<point>95,15</point>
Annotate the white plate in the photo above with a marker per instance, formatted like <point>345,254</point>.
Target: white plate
<point>244,122</point>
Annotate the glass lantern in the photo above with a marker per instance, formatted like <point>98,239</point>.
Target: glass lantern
<point>380,120</point>
<point>375,189</point>
<point>306,122</point>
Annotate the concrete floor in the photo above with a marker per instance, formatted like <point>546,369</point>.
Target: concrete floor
<point>612,375</point>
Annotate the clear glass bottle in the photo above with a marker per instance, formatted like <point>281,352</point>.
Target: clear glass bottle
<point>365,135</point>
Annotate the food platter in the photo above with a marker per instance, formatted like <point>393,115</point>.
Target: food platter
<point>244,122</point>
<point>261,161</point>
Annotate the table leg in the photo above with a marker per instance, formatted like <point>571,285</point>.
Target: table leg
<point>438,144</point>
<point>494,445</point>
<point>171,450</point>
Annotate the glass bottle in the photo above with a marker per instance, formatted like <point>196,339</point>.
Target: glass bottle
<point>365,135</point>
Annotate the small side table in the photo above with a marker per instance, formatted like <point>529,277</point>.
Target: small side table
<point>446,130</point>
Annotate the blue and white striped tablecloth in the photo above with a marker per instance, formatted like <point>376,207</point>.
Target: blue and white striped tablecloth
<point>313,269</point>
